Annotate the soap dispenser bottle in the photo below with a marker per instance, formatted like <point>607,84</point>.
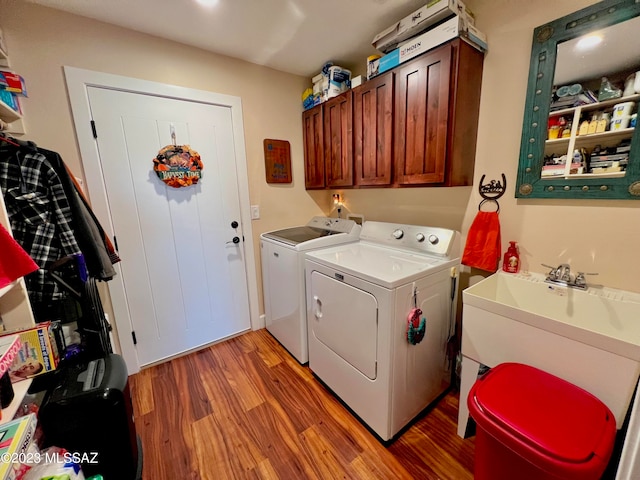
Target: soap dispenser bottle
<point>511,262</point>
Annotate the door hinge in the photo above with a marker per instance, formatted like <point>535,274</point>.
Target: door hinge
<point>93,129</point>
<point>135,340</point>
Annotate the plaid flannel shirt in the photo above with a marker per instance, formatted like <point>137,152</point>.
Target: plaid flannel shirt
<point>39,214</point>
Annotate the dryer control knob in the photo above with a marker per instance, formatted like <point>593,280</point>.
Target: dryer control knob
<point>398,234</point>
<point>433,239</point>
<point>420,237</point>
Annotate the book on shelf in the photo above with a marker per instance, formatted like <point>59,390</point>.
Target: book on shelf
<point>9,350</point>
<point>16,438</point>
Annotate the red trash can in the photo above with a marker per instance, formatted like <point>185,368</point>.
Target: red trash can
<point>532,425</point>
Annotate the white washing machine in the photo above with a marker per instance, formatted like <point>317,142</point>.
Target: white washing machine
<point>282,254</point>
<point>359,297</point>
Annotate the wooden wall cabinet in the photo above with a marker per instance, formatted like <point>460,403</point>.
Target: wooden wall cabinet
<point>437,103</point>
<point>415,125</point>
<point>328,145</point>
<point>313,139</point>
<point>338,140</point>
<point>421,118</point>
<point>373,131</point>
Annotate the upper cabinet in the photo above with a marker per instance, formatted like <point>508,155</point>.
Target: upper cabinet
<point>415,125</point>
<point>313,138</point>
<point>338,145</point>
<point>421,118</point>
<point>579,138</point>
<point>328,149</point>
<point>373,131</point>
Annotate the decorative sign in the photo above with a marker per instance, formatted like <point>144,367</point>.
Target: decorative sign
<point>277,161</point>
<point>178,166</point>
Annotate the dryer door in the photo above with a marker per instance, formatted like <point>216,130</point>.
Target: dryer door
<point>345,320</point>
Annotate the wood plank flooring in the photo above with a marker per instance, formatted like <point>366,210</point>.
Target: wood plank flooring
<point>245,408</point>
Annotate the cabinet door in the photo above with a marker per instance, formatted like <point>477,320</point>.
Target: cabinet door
<point>373,131</point>
<point>338,140</point>
<point>313,148</point>
<point>421,118</point>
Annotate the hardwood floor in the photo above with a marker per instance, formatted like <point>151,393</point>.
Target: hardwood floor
<point>246,409</point>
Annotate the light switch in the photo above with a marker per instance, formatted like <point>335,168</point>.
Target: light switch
<point>255,212</point>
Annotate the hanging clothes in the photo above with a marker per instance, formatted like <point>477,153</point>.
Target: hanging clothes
<point>40,217</point>
<point>87,230</point>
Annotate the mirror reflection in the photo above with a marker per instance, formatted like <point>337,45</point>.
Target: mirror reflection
<point>593,110</point>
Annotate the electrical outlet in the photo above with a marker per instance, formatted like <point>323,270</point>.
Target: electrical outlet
<point>255,212</point>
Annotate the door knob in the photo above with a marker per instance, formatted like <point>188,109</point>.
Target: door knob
<point>235,240</point>
<point>234,224</point>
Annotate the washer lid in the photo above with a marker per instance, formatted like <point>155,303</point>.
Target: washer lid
<point>296,235</point>
<point>384,266</point>
<point>542,413</point>
<point>340,229</point>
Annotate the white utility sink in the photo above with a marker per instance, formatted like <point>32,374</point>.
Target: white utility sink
<point>590,338</point>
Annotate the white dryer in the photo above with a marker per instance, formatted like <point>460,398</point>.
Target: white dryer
<point>359,297</point>
<point>282,254</point>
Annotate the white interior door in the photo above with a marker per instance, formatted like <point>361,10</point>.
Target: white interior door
<point>184,279</point>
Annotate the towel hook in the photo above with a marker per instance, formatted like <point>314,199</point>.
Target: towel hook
<point>492,191</point>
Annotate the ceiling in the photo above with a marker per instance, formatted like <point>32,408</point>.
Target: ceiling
<point>294,36</point>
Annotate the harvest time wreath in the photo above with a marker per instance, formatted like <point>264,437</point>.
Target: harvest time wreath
<point>178,166</point>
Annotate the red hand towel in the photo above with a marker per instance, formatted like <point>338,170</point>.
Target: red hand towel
<point>482,249</point>
<point>14,261</point>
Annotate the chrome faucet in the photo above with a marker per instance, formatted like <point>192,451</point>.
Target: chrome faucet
<point>563,272</point>
<point>561,275</point>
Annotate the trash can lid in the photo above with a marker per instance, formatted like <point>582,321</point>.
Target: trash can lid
<point>542,412</point>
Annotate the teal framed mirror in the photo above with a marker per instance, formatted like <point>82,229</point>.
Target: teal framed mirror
<point>579,139</point>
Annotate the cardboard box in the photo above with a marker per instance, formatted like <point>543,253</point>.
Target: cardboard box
<point>17,438</point>
<point>433,12</point>
<point>384,63</point>
<point>38,352</point>
<point>9,349</point>
<point>452,28</point>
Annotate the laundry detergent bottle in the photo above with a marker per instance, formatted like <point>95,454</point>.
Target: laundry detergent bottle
<point>511,263</point>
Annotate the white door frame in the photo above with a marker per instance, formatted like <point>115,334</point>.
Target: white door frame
<point>77,82</point>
